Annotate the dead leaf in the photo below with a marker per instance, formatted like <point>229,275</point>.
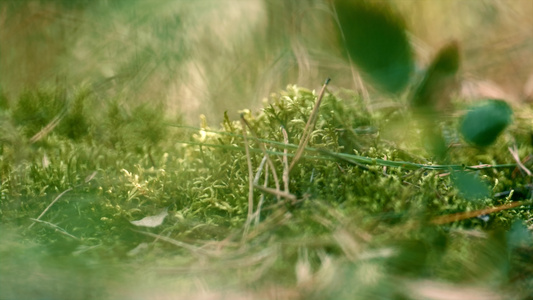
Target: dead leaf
<point>152,221</point>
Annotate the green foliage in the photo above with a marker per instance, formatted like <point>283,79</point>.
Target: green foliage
<point>35,109</point>
<point>470,186</point>
<point>77,166</point>
<point>4,103</point>
<point>375,39</point>
<point>438,80</point>
<point>132,128</point>
<point>483,123</point>
<point>363,211</point>
<point>75,124</point>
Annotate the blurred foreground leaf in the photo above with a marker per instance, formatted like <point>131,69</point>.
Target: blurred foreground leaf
<point>484,123</point>
<point>434,141</point>
<point>519,235</point>
<point>470,186</point>
<point>376,41</point>
<point>438,83</point>
<point>433,94</point>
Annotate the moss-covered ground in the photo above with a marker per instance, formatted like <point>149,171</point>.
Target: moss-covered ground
<point>366,213</point>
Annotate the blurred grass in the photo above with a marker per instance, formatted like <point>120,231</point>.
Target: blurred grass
<point>211,56</point>
<point>354,230</point>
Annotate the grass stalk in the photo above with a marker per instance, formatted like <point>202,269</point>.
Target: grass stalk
<point>250,180</point>
<point>309,126</point>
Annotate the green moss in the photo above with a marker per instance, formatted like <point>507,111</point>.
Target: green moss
<point>353,199</point>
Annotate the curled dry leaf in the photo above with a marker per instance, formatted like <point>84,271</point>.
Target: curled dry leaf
<point>152,221</point>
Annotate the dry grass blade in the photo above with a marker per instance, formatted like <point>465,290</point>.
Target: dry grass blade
<point>278,217</point>
<point>193,249</point>
<point>262,197</point>
<point>309,126</point>
<point>57,228</point>
<point>265,153</point>
<point>250,180</point>
<point>87,179</point>
<point>50,205</point>
<point>275,192</point>
<point>514,153</point>
<point>356,77</point>
<point>260,170</point>
<point>49,127</point>
<point>285,161</point>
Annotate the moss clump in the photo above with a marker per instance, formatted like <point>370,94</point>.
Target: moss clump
<point>358,202</point>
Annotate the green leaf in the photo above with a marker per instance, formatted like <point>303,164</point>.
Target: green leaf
<point>376,41</point>
<point>470,186</point>
<point>484,123</point>
<point>519,235</point>
<point>439,80</point>
<point>434,142</point>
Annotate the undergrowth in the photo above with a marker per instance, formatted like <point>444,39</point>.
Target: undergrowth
<point>364,216</point>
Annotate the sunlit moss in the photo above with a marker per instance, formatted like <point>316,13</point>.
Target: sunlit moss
<point>349,218</point>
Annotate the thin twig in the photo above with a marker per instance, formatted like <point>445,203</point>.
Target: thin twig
<point>50,205</point>
<point>49,127</point>
<point>471,214</point>
<point>57,228</point>
<point>87,179</point>
<point>275,192</point>
<point>265,153</point>
<point>309,126</point>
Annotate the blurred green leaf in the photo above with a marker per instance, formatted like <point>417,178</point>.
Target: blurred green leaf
<point>376,41</point>
<point>439,79</point>
<point>482,124</point>
<point>411,257</point>
<point>470,186</point>
<point>435,143</point>
<point>519,235</point>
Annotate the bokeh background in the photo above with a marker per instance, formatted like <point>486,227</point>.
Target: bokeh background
<point>210,56</point>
